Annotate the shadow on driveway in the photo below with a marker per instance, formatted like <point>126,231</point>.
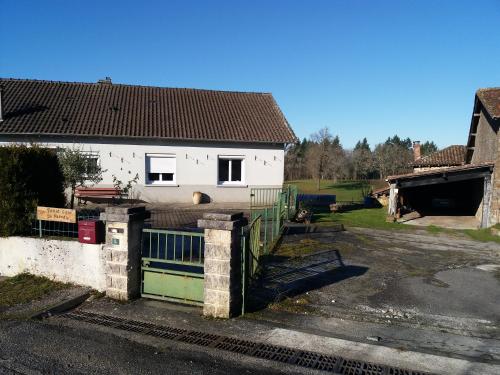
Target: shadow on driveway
<point>287,277</point>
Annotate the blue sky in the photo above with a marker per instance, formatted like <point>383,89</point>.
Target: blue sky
<point>362,68</point>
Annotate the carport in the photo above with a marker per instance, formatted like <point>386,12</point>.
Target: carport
<point>446,192</point>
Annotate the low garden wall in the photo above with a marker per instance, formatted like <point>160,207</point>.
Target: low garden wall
<point>60,260</point>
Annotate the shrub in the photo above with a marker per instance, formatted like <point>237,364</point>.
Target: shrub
<point>78,170</point>
<point>29,176</point>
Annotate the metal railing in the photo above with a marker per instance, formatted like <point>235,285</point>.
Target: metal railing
<point>49,228</point>
<point>262,235</point>
<point>274,217</point>
<point>171,246</point>
<point>251,254</point>
<point>263,197</point>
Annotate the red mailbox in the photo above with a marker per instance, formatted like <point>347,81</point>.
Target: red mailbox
<point>90,231</point>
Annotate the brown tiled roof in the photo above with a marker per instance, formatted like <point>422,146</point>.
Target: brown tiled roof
<point>35,107</point>
<point>383,190</point>
<point>449,156</point>
<point>490,98</point>
<point>438,171</point>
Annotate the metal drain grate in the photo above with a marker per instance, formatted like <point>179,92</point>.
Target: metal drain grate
<point>278,353</point>
<point>274,353</point>
<point>317,361</point>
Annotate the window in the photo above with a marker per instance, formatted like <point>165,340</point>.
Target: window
<point>160,169</point>
<point>230,170</point>
<point>92,162</point>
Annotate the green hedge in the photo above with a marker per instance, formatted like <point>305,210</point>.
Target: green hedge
<point>29,176</point>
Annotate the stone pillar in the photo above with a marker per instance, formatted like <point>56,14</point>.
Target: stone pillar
<point>123,250</point>
<point>222,284</point>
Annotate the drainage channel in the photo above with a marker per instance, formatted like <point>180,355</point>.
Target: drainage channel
<point>334,364</point>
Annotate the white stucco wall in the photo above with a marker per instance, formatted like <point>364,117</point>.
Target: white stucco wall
<point>196,166</point>
<point>66,261</point>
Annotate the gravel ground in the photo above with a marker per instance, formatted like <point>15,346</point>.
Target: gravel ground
<point>408,278</point>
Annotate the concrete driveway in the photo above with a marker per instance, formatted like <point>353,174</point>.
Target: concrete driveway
<point>451,222</point>
<point>409,278</point>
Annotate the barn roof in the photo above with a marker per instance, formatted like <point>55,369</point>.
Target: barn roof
<point>440,171</point>
<point>449,156</point>
<point>105,109</point>
<point>490,98</point>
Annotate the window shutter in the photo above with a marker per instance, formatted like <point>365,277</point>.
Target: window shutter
<point>161,164</point>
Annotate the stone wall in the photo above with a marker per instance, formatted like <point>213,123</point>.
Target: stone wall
<point>65,261</point>
<point>486,143</point>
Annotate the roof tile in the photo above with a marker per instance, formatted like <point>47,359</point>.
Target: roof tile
<point>103,109</point>
<point>491,100</point>
<point>449,156</point>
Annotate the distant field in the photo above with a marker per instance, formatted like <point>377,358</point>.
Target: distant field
<point>344,190</point>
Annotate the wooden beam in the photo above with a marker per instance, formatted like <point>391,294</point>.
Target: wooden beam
<point>487,192</point>
<point>393,200</point>
<point>444,178</point>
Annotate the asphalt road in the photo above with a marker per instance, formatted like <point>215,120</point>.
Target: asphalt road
<point>52,347</point>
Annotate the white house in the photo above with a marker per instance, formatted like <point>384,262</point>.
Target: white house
<point>177,140</point>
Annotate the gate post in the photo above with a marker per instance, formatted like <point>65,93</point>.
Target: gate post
<point>222,284</point>
<point>123,250</point>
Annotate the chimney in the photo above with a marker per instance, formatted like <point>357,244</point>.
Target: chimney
<point>1,113</point>
<point>416,150</point>
<point>105,81</point>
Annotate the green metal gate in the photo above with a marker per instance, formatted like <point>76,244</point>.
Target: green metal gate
<point>172,265</point>
<point>252,250</point>
<point>261,198</point>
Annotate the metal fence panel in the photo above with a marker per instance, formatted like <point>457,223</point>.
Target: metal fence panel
<point>173,265</point>
<point>43,228</point>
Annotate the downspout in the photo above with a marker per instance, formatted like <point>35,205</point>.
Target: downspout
<point>1,113</point>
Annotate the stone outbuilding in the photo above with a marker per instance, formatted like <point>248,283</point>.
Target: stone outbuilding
<point>458,180</point>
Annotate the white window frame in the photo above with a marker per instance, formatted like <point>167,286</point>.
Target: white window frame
<point>230,158</point>
<point>148,166</point>
<point>93,155</point>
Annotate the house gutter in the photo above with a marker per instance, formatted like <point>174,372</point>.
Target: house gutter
<point>137,138</point>
<point>1,113</point>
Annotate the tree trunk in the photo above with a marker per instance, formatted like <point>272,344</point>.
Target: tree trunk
<point>72,201</point>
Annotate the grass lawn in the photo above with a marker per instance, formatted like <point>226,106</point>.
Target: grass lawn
<point>24,288</point>
<point>372,217</point>
<point>375,218</point>
<point>365,218</point>
<point>344,190</point>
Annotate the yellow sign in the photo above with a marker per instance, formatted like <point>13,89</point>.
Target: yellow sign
<point>56,214</point>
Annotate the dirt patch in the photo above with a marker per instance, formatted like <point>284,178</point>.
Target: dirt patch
<point>299,305</point>
<point>25,288</point>
<point>301,248</point>
<point>24,295</point>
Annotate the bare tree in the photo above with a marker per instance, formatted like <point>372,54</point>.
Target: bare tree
<point>393,157</point>
<point>318,154</point>
<point>336,167</point>
<point>326,157</point>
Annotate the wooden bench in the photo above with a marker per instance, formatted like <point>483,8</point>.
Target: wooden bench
<point>85,193</point>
